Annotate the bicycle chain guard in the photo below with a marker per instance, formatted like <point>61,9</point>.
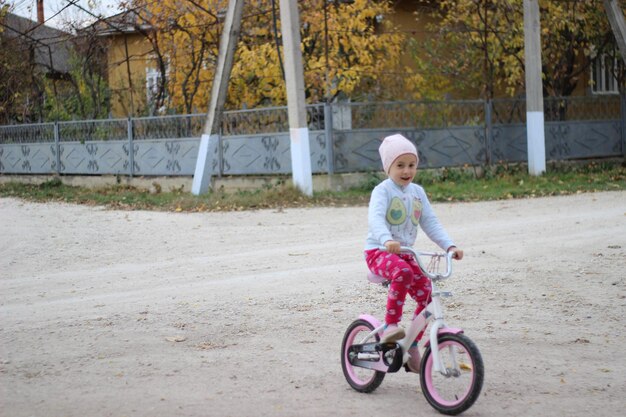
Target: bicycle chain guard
<point>390,353</point>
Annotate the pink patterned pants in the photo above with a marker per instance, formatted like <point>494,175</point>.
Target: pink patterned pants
<point>406,278</point>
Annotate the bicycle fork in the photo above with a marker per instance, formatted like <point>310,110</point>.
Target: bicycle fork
<point>437,329</point>
<point>433,313</point>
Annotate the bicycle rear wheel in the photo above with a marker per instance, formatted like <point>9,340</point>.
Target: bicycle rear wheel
<point>456,392</point>
<point>361,379</point>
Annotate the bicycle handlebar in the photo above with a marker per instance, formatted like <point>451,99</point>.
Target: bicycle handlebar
<point>416,254</point>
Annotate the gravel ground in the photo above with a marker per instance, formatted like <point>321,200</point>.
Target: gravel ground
<point>135,313</point>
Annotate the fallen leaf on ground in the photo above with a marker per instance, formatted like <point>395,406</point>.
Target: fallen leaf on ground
<point>176,338</point>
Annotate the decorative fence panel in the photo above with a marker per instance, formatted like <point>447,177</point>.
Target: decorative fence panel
<point>357,150</point>
<point>343,138</point>
<point>165,156</point>
<point>268,154</point>
<point>575,140</point>
<point>509,143</point>
<point>93,157</point>
<point>28,158</point>
<point>564,141</point>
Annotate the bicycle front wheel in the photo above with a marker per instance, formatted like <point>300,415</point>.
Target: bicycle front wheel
<point>456,391</point>
<point>361,379</point>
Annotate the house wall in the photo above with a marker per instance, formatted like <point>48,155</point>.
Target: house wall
<point>405,19</point>
<point>408,19</point>
<point>127,101</point>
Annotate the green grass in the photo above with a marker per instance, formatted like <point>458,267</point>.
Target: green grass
<point>506,182</point>
<point>467,184</point>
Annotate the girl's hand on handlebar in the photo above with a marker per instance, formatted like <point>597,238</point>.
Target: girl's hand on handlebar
<point>458,253</point>
<point>392,246</point>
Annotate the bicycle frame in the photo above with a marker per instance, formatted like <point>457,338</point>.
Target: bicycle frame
<point>432,313</point>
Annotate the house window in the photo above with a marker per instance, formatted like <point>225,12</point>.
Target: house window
<point>152,84</point>
<point>603,70</point>
<point>153,77</point>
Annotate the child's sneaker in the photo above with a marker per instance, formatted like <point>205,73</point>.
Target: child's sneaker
<point>413,364</point>
<point>392,333</point>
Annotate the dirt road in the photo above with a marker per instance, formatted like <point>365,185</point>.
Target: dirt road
<point>115,313</point>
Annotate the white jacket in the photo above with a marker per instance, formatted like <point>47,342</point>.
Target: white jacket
<point>395,212</point>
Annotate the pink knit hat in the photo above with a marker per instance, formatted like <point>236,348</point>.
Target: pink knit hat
<point>392,147</point>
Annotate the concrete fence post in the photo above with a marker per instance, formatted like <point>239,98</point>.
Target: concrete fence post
<point>488,131</point>
<point>328,132</point>
<point>131,152</point>
<point>623,121</point>
<point>220,154</point>
<point>57,146</point>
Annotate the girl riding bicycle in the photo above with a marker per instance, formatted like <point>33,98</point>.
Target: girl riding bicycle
<point>397,207</point>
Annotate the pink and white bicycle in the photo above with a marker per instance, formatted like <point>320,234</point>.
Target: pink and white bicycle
<point>452,369</point>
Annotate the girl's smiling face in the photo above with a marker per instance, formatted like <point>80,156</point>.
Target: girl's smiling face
<point>403,169</point>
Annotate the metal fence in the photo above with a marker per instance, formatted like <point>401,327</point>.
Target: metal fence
<point>344,137</point>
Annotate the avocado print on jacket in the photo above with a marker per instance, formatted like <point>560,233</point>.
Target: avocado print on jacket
<point>416,211</point>
<point>396,214</point>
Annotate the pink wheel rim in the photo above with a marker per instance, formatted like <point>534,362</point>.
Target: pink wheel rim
<point>433,391</point>
<point>349,342</point>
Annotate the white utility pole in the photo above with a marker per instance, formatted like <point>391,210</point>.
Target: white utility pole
<point>210,135</point>
<point>616,19</point>
<point>534,90</point>
<point>294,78</point>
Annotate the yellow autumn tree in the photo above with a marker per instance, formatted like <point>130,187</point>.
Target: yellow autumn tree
<point>184,37</point>
<point>478,45</point>
<point>350,49</point>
